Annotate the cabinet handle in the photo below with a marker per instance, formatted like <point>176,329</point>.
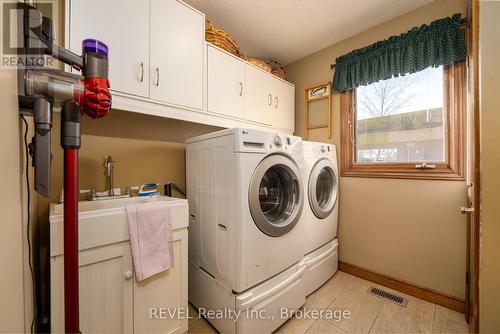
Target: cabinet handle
<point>269,99</point>
<point>276,102</point>
<point>142,71</point>
<point>241,88</point>
<point>157,77</point>
<point>128,274</point>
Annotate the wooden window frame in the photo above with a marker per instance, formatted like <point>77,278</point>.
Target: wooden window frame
<point>453,169</point>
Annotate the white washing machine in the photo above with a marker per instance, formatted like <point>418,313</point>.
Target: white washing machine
<point>320,212</point>
<point>246,240</point>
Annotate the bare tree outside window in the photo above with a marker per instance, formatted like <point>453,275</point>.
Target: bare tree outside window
<point>387,97</point>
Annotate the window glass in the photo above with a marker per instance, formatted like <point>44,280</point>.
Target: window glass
<point>401,120</point>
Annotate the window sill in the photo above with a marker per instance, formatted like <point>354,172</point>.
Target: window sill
<point>389,172</point>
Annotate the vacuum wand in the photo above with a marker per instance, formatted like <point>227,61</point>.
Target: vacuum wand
<point>70,142</point>
<point>95,102</point>
<point>93,98</point>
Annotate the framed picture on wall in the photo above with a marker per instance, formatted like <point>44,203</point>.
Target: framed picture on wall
<point>314,105</point>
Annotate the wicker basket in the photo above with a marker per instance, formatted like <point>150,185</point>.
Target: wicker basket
<point>277,69</point>
<point>220,38</point>
<point>258,63</point>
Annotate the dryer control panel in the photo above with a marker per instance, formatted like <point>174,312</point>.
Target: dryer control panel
<point>323,149</point>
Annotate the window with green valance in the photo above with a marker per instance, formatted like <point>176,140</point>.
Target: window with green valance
<point>439,43</point>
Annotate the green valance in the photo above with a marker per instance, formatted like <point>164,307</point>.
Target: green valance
<point>436,44</point>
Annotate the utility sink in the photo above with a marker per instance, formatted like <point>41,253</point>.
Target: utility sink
<point>105,222</point>
<point>85,206</point>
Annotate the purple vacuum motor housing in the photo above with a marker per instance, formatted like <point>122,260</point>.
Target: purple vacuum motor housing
<point>93,45</point>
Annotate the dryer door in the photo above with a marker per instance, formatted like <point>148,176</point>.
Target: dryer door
<point>275,195</point>
<point>322,188</point>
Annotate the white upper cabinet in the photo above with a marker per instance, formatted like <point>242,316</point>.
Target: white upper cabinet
<point>160,64</point>
<point>124,27</point>
<point>226,83</point>
<point>177,43</point>
<point>269,100</point>
<point>259,96</point>
<point>283,106</point>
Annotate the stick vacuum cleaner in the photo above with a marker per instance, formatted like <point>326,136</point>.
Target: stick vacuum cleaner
<point>39,90</point>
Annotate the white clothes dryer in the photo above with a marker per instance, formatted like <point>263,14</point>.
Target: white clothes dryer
<point>320,212</point>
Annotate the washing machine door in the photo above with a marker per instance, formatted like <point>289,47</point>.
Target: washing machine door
<point>275,195</point>
<point>323,188</point>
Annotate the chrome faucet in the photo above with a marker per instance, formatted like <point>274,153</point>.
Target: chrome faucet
<point>108,171</point>
<point>92,195</point>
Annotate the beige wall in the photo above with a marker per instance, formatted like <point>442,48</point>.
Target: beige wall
<point>16,302</point>
<point>489,53</point>
<point>408,229</point>
<point>12,228</point>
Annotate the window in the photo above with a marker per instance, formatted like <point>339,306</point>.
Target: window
<point>405,127</point>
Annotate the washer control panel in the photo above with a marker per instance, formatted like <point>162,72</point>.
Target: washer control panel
<point>260,141</point>
<point>280,142</point>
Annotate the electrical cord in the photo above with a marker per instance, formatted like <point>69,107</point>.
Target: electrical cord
<point>28,224</point>
<point>168,189</point>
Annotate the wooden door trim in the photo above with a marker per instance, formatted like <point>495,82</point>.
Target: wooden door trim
<point>476,156</point>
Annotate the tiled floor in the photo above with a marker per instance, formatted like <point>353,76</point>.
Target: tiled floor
<point>368,314</point>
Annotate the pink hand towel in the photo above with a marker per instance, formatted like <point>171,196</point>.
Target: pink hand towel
<point>150,231</point>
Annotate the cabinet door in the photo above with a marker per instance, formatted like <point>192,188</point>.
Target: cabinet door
<point>105,291</point>
<point>283,105</point>
<point>124,27</point>
<point>177,43</point>
<point>259,97</point>
<point>165,291</point>
<point>226,86</point>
